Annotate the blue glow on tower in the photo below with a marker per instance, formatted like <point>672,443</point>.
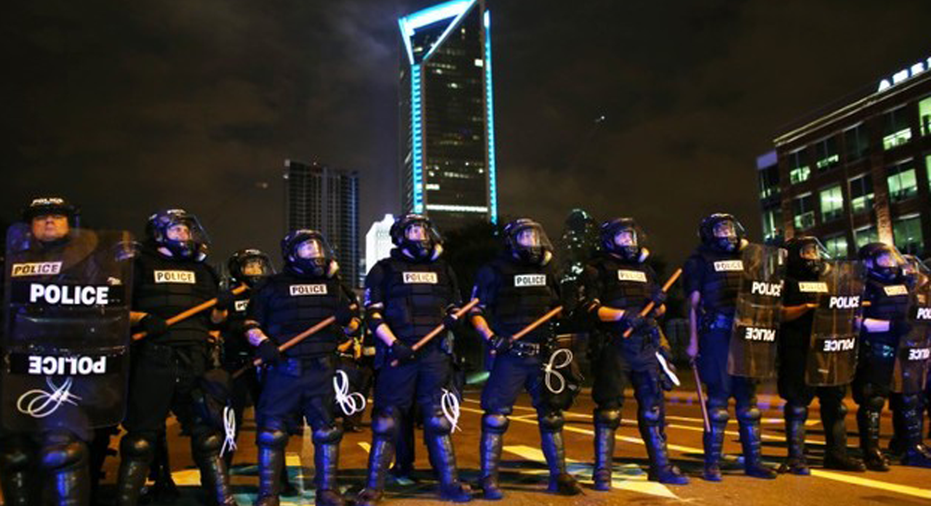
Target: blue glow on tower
<point>489,104</point>
<point>417,139</point>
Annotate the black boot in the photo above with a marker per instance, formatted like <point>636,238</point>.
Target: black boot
<point>379,457</point>
<point>443,458</point>
<point>868,423</point>
<point>750,439</point>
<point>326,464</point>
<point>915,452</point>
<point>66,460</point>
<point>835,435</point>
<point>651,422</point>
<point>606,424</point>
<point>285,487</point>
<point>164,489</point>
<point>795,417</point>
<point>205,448</point>
<point>554,450</point>
<point>136,452</point>
<point>713,442</point>
<point>271,445</point>
<point>493,429</point>
<point>16,471</point>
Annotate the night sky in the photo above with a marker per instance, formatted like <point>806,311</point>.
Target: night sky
<point>128,106</point>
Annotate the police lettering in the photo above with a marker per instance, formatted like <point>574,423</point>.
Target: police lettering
<point>769,289</point>
<point>919,354</point>
<point>755,334</point>
<point>728,265</point>
<point>521,280</point>
<point>894,290</point>
<point>35,269</point>
<point>924,313</point>
<point>301,290</point>
<point>68,295</point>
<point>175,277</point>
<point>420,278</point>
<point>838,302</point>
<point>635,276</point>
<point>839,344</point>
<point>812,287</point>
<point>66,366</point>
<point>240,306</point>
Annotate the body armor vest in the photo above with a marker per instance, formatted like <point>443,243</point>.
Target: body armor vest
<point>524,294</point>
<point>888,301</point>
<point>165,287</point>
<point>293,304</point>
<point>417,295</point>
<point>721,281</point>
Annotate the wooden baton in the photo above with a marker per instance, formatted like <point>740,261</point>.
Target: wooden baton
<point>187,313</point>
<point>439,328</point>
<point>650,305</point>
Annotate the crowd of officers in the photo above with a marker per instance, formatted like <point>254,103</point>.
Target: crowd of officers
<point>178,365</point>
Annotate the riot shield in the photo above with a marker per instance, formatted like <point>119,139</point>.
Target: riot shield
<point>66,339</point>
<point>832,352</point>
<point>752,349</point>
<point>914,349</point>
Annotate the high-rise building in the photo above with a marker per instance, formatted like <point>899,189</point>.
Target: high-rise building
<point>858,171</point>
<point>378,241</point>
<point>447,137</point>
<point>326,199</point>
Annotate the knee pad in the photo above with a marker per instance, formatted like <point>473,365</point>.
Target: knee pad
<point>718,415</point>
<point>652,415</point>
<point>910,401</point>
<point>63,455</point>
<point>385,425</point>
<point>140,447</point>
<point>749,415</point>
<point>271,438</point>
<point>610,418</point>
<point>15,455</point>
<point>437,424</point>
<point>795,412</point>
<point>841,410</point>
<point>874,402</point>
<point>328,435</point>
<point>551,422</point>
<point>495,422</point>
<point>207,443</point>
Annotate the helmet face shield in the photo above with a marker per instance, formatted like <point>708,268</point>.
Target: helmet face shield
<point>806,257</point>
<point>255,267</point>
<point>180,233</point>
<point>527,241</point>
<point>311,249</point>
<point>250,266</point>
<point>626,238</point>
<point>307,252</point>
<point>725,229</point>
<point>622,237</point>
<point>416,236</point>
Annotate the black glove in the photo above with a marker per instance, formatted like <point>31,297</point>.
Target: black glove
<point>499,344</point>
<point>658,298</point>
<point>225,300</point>
<point>344,315</point>
<point>450,321</point>
<point>401,351</point>
<point>900,327</point>
<point>268,352</point>
<point>631,320</point>
<point>153,326</point>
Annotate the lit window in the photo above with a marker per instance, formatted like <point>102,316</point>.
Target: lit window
<point>861,194</point>
<point>798,167</point>
<point>906,232</point>
<point>772,224</point>
<point>832,203</point>
<point>902,182</point>
<point>826,154</point>
<point>804,212</point>
<point>769,182</point>
<point>924,115</point>
<point>897,131</point>
<point>865,235</point>
<point>836,246</point>
<point>856,143</point>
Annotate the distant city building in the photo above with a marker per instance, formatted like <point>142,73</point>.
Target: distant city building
<point>856,172</point>
<point>447,138</point>
<point>326,199</point>
<point>378,241</point>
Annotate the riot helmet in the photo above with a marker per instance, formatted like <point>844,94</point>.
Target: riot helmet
<point>623,238</point>
<point>721,231</point>
<point>527,241</point>
<point>882,262</point>
<point>249,266</point>
<point>806,257</point>
<point>50,218</point>
<point>416,236</point>
<point>307,252</point>
<point>178,234</point>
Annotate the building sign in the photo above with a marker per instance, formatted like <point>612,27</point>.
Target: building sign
<point>904,75</point>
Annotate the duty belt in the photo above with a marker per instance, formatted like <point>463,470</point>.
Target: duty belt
<point>717,321</point>
<point>522,349</point>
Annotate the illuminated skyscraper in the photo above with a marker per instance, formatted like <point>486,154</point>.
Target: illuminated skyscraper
<point>447,116</point>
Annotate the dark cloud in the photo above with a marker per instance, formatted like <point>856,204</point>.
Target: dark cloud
<point>129,106</point>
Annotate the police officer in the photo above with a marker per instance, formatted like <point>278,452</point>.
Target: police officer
<point>712,279</point>
<point>406,296</point>
<point>169,364</point>
<point>53,459</point>
<point>300,380</point>
<point>805,265</point>
<point>516,289</point>
<point>617,285</point>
